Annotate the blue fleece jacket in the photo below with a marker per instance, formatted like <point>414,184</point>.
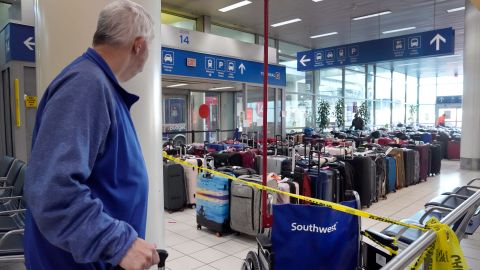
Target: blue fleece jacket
<point>86,183</point>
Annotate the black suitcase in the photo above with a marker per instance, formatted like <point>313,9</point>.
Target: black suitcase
<point>236,170</point>
<point>436,156</point>
<point>222,159</point>
<point>346,175</point>
<point>335,178</point>
<point>409,161</point>
<point>380,176</point>
<point>364,179</point>
<point>174,186</point>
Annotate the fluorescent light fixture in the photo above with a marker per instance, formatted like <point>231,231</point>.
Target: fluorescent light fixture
<point>234,6</point>
<point>325,35</point>
<point>222,88</point>
<point>287,22</point>
<point>317,1</point>
<point>372,15</point>
<point>399,30</point>
<point>448,56</point>
<point>455,9</point>
<point>177,85</point>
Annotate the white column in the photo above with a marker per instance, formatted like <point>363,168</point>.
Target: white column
<point>63,31</point>
<point>470,152</point>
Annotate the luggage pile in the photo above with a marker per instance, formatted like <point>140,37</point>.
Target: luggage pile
<point>317,166</point>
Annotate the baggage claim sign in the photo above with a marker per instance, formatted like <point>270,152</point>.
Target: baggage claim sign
<point>425,44</point>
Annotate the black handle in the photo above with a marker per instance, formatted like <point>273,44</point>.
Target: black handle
<point>163,254</point>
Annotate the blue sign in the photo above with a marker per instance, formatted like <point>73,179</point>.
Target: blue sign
<point>174,62</point>
<point>431,43</point>
<point>449,100</point>
<point>19,42</point>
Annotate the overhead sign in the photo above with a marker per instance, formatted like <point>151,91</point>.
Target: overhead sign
<point>178,62</point>
<point>19,42</point>
<point>431,43</point>
<point>449,100</point>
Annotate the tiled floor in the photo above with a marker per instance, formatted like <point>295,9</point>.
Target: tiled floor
<point>190,248</point>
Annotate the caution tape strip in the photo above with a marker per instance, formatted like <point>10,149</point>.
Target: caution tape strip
<point>334,206</point>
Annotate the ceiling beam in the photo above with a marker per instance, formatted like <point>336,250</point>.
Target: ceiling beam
<point>7,1</point>
<point>476,3</point>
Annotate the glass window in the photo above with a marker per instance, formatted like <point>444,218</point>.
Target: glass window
<point>331,101</point>
<point>428,91</point>
<point>355,82</point>
<point>450,86</point>
<point>177,21</point>
<point>398,114</point>
<point>297,81</point>
<point>412,87</point>
<point>271,41</point>
<point>383,83</point>
<point>254,112</point>
<point>289,49</point>
<point>232,33</point>
<point>426,114</point>
<point>398,87</point>
<point>370,81</point>
<point>299,112</point>
<point>329,82</point>
<point>382,113</point>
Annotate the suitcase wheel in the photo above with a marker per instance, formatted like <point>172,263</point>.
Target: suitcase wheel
<point>218,234</point>
<point>199,227</point>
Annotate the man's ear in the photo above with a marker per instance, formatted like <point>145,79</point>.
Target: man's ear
<point>138,45</point>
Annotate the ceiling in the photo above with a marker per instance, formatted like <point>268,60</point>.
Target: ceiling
<point>336,16</point>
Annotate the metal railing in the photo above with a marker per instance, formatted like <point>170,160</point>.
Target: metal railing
<point>465,210</point>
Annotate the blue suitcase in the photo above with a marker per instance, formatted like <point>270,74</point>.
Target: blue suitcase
<point>391,174</point>
<point>321,185</point>
<point>427,138</point>
<point>213,203</point>
<point>217,147</point>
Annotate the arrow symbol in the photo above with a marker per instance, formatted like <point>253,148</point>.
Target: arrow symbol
<point>242,68</point>
<point>303,60</point>
<point>437,40</point>
<point>28,43</point>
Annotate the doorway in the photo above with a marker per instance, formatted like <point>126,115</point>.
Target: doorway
<point>6,136</point>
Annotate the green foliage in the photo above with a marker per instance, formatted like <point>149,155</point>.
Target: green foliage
<point>363,112</point>
<point>340,113</point>
<point>323,114</point>
<point>413,109</point>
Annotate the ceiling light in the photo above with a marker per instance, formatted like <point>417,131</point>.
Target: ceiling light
<point>317,1</point>
<point>234,6</point>
<point>372,15</point>
<point>222,88</point>
<point>399,30</point>
<point>325,35</point>
<point>286,22</point>
<point>410,64</point>
<point>177,85</point>
<point>455,9</point>
<point>448,56</point>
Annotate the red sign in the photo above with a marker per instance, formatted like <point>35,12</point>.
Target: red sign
<point>204,111</point>
<point>191,62</point>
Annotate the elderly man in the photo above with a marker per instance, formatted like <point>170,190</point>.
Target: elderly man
<point>86,184</point>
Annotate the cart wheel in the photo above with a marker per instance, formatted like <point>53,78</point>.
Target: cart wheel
<point>199,227</point>
<point>251,262</point>
<point>218,234</point>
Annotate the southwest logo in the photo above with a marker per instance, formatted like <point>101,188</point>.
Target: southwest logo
<point>313,228</point>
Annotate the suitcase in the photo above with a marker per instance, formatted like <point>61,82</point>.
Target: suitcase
<point>321,184</point>
<point>301,177</point>
<point>245,205</point>
<point>237,171</point>
<point>391,166</point>
<point>334,178</point>
<point>424,160</point>
<point>416,174</point>
<point>274,164</point>
<point>381,176</point>
<point>409,163</point>
<point>436,156</point>
<point>397,153</point>
<point>213,203</point>
<point>453,150</point>
<point>191,175</point>
<point>364,179</point>
<point>290,187</point>
<point>175,195</point>
<point>426,138</point>
<point>222,159</point>
<point>248,159</point>
<point>346,176</point>
<point>215,147</point>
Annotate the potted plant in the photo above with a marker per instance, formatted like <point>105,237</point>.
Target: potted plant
<point>363,112</point>
<point>340,113</point>
<point>413,113</point>
<point>323,119</point>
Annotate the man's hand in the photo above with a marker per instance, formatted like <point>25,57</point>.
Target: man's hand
<point>141,255</point>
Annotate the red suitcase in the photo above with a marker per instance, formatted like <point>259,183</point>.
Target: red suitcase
<point>453,149</point>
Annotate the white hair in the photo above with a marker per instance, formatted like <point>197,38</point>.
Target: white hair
<point>121,22</point>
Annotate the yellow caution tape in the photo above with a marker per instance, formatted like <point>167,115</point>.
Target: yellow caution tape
<point>445,253</point>
<point>391,250</point>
